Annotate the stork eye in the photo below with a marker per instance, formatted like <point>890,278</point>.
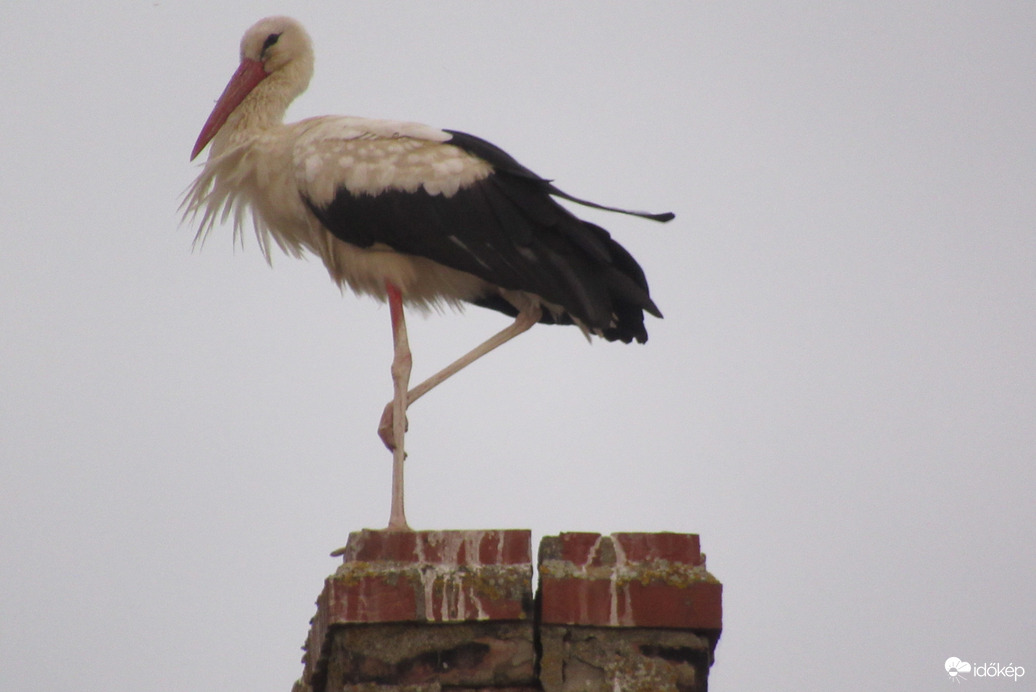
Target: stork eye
<point>270,40</point>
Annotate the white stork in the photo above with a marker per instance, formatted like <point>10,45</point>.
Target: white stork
<point>405,213</point>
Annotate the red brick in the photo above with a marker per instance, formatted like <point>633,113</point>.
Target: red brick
<point>425,577</point>
<point>431,576</point>
<point>697,605</point>
<point>582,549</point>
<point>452,610</point>
<point>682,548</point>
<point>628,580</point>
<point>472,548</point>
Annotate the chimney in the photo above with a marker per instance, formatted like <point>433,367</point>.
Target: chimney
<point>453,611</point>
<point>630,611</point>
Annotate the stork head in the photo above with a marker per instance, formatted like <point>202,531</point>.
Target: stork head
<point>276,53</point>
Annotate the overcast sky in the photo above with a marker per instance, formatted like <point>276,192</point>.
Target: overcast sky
<point>840,400</point>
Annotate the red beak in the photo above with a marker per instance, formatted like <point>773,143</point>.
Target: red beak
<point>247,77</point>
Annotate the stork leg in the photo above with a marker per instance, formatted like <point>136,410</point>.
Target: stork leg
<point>393,414</point>
<point>401,364</point>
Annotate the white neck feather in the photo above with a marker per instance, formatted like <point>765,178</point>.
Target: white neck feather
<point>264,108</point>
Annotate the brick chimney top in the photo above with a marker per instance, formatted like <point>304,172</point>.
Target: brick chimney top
<point>440,611</point>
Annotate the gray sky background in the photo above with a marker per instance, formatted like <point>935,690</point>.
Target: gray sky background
<point>840,400</point>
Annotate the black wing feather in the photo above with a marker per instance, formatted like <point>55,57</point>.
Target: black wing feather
<point>507,230</point>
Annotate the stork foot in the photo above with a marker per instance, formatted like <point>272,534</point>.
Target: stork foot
<point>385,427</point>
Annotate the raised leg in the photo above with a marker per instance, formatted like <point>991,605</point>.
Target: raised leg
<point>391,417</point>
<point>401,364</point>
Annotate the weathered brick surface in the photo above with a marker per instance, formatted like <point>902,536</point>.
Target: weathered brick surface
<point>428,578</point>
<point>431,576</point>
<point>431,687</point>
<point>468,654</point>
<point>451,611</point>
<point>628,580</point>
<point>605,659</point>
<point>636,612</point>
<point>492,547</point>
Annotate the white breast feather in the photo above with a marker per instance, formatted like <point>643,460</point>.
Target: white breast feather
<point>253,178</point>
<point>268,174</point>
